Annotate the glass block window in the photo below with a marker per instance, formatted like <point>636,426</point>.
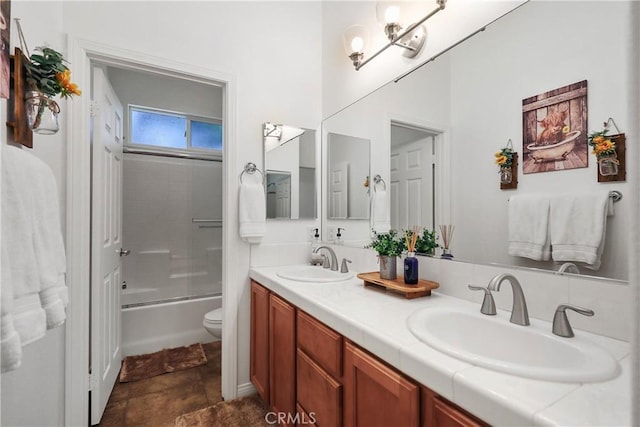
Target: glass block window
<point>174,130</point>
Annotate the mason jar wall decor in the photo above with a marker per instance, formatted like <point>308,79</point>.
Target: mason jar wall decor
<point>610,153</point>
<point>507,161</point>
<point>42,113</point>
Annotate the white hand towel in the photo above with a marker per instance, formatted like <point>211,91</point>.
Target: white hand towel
<point>528,227</point>
<point>380,221</point>
<point>578,224</point>
<point>252,211</point>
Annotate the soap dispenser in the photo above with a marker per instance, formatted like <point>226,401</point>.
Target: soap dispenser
<point>339,240</point>
<point>316,258</point>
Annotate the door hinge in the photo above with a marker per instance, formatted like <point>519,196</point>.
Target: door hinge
<point>92,382</point>
<point>94,108</point>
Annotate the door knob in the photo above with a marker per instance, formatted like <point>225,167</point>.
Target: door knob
<point>124,252</point>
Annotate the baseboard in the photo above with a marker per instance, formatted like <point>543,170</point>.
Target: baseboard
<point>246,389</point>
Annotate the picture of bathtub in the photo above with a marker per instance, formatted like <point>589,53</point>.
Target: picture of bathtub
<point>552,152</point>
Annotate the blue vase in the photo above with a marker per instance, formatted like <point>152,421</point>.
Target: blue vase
<point>411,269</point>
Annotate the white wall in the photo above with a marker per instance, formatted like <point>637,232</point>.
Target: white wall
<point>547,47</point>
<point>270,48</point>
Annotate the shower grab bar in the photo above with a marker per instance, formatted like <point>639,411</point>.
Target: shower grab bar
<point>198,220</point>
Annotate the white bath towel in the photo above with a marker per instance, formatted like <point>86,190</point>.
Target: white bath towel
<point>380,221</point>
<point>528,226</point>
<point>49,246</point>
<point>20,277</point>
<point>33,259</point>
<point>578,224</point>
<point>252,210</point>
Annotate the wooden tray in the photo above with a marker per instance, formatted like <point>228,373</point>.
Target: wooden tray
<point>421,289</point>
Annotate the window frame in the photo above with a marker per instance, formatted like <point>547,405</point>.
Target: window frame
<point>202,152</point>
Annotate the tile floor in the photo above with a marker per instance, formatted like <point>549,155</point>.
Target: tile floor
<point>157,401</point>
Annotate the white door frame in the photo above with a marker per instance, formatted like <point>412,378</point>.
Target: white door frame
<point>81,53</point>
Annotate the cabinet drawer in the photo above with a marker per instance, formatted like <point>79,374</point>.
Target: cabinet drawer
<point>322,344</point>
<point>319,395</point>
<point>447,415</point>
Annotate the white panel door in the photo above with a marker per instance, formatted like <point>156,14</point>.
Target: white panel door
<point>412,184</point>
<point>106,244</point>
<point>339,191</point>
<point>283,198</point>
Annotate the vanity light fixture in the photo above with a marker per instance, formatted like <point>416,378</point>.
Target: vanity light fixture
<point>411,39</point>
<point>276,135</point>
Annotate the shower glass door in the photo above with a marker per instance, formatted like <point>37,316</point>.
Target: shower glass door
<point>172,223</point>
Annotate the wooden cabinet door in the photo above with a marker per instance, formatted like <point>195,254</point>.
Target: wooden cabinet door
<point>438,412</point>
<point>259,369</point>
<point>282,356</point>
<point>319,395</point>
<point>375,394</point>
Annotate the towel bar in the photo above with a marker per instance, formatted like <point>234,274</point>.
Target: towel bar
<point>614,195</point>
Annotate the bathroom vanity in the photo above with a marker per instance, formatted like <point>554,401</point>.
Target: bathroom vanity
<point>341,354</point>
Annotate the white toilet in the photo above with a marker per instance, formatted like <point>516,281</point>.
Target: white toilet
<point>212,322</point>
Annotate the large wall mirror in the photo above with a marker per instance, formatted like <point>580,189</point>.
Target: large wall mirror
<point>348,173</point>
<point>290,172</point>
<point>433,133</point>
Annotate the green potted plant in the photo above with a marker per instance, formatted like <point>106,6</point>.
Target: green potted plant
<point>47,76</point>
<point>389,246</point>
<point>427,242</point>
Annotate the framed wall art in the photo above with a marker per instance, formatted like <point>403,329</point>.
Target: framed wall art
<point>554,127</point>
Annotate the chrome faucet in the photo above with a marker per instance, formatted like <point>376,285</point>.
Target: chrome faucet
<point>519,313</point>
<point>334,259</point>
<point>568,267</point>
<point>561,325</point>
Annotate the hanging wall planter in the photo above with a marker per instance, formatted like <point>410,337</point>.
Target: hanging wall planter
<point>610,153</point>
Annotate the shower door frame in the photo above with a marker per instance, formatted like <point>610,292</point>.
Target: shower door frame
<point>82,54</point>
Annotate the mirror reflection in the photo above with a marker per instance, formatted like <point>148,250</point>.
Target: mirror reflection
<point>348,177</point>
<point>290,169</point>
<point>465,105</point>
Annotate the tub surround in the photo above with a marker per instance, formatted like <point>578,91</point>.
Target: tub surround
<point>377,322</point>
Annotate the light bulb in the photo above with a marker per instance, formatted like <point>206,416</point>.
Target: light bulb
<point>392,14</point>
<point>357,44</point>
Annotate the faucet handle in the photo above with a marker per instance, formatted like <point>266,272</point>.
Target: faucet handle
<point>344,268</point>
<point>488,304</point>
<point>561,325</point>
<point>325,261</point>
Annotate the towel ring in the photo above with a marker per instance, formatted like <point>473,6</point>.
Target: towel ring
<point>251,168</point>
<point>615,195</point>
<point>377,180</point>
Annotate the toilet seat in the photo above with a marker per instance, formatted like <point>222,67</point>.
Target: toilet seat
<point>214,316</point>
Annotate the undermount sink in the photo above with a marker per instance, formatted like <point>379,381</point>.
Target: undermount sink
<point>310,273</point>
<point>527,351</point>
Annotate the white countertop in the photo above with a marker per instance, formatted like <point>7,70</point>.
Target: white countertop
<point>377,322</point>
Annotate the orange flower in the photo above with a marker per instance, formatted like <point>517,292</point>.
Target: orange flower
<point>500,160</point>
<point>68,88</point>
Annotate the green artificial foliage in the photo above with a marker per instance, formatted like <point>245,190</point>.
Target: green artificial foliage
<point>388,244</point>
<point>427,242</point>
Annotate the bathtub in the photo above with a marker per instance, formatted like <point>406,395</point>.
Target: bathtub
<point>173,323</point>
